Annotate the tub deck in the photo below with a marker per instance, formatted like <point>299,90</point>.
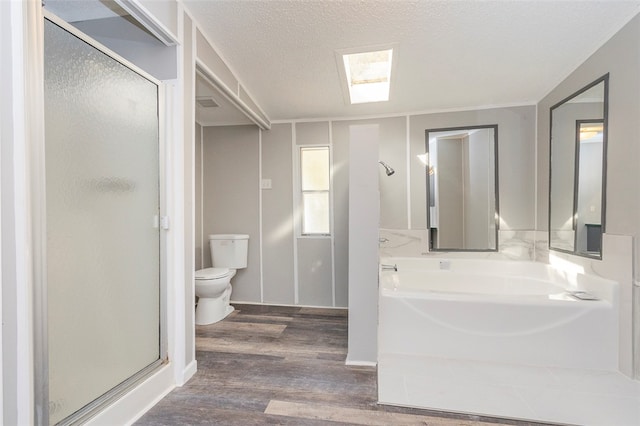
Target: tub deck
<point>546,394</point>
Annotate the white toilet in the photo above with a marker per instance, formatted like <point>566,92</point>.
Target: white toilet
<point>213,285</point>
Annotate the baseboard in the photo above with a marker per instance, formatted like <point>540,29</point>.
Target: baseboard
<point>360,363</point>
<point>133,405</point>
<point>236,302</point>
<point>189,371</point>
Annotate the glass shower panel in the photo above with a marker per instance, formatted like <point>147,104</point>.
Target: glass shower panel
<point>103,243</point>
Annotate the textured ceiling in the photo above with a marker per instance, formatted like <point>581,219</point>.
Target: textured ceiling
<point>450,54</point>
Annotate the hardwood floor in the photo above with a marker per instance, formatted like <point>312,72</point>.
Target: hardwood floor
<point>285,365</point>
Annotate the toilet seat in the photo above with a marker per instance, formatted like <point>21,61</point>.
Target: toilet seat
<point>212,273</point>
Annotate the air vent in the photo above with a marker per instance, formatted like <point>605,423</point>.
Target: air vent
<point>207,102</point>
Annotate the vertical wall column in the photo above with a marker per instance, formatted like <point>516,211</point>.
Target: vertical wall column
<point>190,168</point>
<point>364,221</point>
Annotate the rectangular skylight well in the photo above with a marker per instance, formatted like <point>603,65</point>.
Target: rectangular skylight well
<point>368,75</point>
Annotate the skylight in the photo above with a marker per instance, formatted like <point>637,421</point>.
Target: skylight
<point>368,75</point>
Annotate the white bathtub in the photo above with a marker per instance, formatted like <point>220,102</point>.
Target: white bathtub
<point>499,311</point>
<point>502,338</point>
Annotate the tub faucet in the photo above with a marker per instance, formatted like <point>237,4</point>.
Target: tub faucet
<point>389,267</point>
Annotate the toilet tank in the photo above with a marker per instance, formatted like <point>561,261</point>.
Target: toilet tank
<point>229,250</point>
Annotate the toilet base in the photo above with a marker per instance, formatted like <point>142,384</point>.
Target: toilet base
<point>210,311</point>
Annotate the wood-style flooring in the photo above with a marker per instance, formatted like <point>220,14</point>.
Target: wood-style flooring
<point>274,365</point>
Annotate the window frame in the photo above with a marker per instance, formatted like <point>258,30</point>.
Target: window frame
<point>300,192</point>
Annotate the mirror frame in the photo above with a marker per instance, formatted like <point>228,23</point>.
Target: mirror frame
<point>605,120</point>
<point>496,186</point>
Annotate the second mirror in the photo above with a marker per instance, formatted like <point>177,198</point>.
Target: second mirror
<point>462,176</point>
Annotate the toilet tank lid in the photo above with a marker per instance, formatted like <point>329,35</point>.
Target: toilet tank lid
<point>211,273</point>
<point>228,237</point>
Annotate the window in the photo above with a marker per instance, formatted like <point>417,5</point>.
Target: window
<point>315,185</point>
<point>368,75</point>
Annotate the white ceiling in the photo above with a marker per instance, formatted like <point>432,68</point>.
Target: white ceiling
<point>450,54</point>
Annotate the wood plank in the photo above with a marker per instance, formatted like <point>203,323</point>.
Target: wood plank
<point>329,413</point>
<point>285,365</point>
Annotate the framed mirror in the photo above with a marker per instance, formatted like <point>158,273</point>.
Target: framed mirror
<point>462,188</point>
<point>578,147</point>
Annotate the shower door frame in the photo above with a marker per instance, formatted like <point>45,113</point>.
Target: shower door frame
<point>40,300</point>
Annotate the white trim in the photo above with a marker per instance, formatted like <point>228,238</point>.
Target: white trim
<point>190,370</point>
<point>5,31</point>
<point>288,305</point>
<point>260,111</point>
<point>206,73</point>
<point>408,140</point>
<point>260,214</point>
<point>147,20</point>
<point>361,363</point>
<point>332,218</point>
<point>163,102</point>
<point>314,237</point>
<point>135,403</point>
<point>536,145</point>
<point>402,114</point>
<point>202,241</point>
<point>30,216</point>
<point>230,123</point>
<point>98,46</point>
<point>296,213</point>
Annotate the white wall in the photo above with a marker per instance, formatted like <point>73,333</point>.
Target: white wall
<point>364,221</point>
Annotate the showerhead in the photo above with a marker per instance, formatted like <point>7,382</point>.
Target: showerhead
<point>387,168</point>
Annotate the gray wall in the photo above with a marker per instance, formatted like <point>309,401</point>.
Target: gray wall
<point>292,270</point>
<point>564,154</point>
<point>620,57</point>
<point>199,237</point>
<point>231,201</point>
<point>277,216</point>
<point>316,269</point>
<point>479,184</point>
<point>516,170</point>
<point>450,193</point>
<point>314,266</point>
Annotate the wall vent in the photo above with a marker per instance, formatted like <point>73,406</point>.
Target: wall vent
<point>207,102</point>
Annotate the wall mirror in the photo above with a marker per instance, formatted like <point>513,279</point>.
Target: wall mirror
<point>462,189</point>
<point>578,147</point>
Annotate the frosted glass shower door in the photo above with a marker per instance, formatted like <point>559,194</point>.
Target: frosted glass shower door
<point>102,203</point>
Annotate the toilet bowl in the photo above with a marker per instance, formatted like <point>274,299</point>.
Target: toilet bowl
<point>213,285</point>
<point>213,288</point>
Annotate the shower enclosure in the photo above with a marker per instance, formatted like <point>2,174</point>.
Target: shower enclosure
<point>102,326</point>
